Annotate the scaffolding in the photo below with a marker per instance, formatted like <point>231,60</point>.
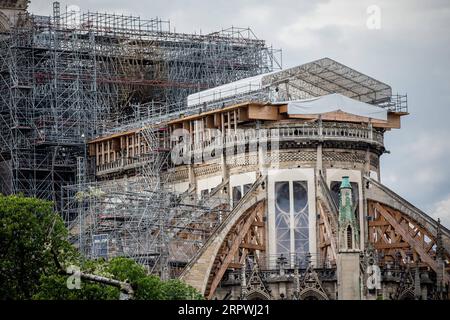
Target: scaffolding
<point>72,76</point>
<point>143,217</point>
<point>160,229</point>
<point>67,78</point>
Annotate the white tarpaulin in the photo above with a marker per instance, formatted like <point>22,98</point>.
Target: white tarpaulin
<point>334,102</point>
<point>232,89</point>
<point>225,91</point>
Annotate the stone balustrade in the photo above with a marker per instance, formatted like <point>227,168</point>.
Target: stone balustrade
<point>241,138</point>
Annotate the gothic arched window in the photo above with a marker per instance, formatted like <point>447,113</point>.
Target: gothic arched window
<point>291,218</point>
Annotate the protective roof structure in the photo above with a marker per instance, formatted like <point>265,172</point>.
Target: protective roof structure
<point>326,76</point>
<point>312,79</point>
<point>335,102</point>
<point>235,88</point>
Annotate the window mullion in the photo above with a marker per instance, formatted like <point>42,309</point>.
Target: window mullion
<point>291,222</point>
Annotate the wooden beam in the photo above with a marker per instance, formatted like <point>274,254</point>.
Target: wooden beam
<point>258,224</point>
<point>253,246</point>
<point>258,112</point>
<point>215,111</point>
<point>392,122</point>
<point>416,245</point>
<point>115,135</point>
<point>233,249</point>
<point>328,231</point>
<point>378,223</point>
<point>398,245</point>
<point>283,108</point>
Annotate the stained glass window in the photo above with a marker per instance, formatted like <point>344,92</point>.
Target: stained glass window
<point>282,218</point>
<point>291,218</point>
<point>301,225</point>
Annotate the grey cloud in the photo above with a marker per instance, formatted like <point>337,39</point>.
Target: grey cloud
<point>410,52</point>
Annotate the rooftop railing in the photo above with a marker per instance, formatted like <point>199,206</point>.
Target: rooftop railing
<point>396,103</point>
<point>305,132</point>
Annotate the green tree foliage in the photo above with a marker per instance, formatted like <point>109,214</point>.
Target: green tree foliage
<point>177,290</point>
<point>29,232</point>
<point>146,287</point>
<point>34,252</point>
<point>54,287</point>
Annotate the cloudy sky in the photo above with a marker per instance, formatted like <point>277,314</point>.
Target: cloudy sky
<point>410,51</point>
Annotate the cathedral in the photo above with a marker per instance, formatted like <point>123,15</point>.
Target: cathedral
<point>243,181</point>
<point>296,154</point>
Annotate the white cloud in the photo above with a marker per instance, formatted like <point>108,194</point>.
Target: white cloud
<point>430,146</point>
<point>442,210</point>
<point>304,32</point>
<point>418,166</point>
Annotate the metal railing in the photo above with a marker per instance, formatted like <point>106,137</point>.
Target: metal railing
<point>395,103</point>
<point>124,163</point>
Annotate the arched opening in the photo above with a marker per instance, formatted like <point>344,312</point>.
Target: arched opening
<point>312,294</point>
<point>257,295</point>
<point>406,295</point>
<point>310,297</point>
<point>349,238</point>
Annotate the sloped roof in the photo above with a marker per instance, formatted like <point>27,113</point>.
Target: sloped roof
<point>312,79</point>
<point>326,76</point>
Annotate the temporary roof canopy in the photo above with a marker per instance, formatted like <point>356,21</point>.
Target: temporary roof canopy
<point>326,76</point>
<point>335,102</point>
<point>235,88</point>
<point>313,79</point>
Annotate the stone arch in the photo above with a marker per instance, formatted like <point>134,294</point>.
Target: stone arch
<point>312,294</point>
<point>257,295</point>
<point>407,294</point>
<point>198,271</point>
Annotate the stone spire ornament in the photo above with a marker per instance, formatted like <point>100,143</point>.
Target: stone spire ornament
<point>348,226</point>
